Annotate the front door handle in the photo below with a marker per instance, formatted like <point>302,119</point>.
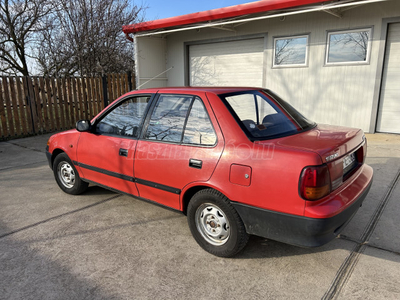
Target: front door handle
<point>123,152</point>
<point>195,163</point>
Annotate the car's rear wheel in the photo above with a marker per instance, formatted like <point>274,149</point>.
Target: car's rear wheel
<point>66,175</point>
<point>215,224</point>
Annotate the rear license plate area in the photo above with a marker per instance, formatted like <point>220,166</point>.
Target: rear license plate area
<point>349,162</point>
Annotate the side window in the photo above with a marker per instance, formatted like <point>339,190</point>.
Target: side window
<point>125,119</point>
<point>290,51</point>
<point>349,47</point>
<point>168,118</point>
<point>199,129</point>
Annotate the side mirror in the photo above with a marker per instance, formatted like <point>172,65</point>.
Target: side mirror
<point>83,125</point>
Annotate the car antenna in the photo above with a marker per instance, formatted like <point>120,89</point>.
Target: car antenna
<point>154,77</point>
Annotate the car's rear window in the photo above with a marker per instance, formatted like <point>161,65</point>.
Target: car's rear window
<point>263,114</point>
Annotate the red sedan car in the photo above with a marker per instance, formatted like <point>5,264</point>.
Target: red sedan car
<point>236,161</point>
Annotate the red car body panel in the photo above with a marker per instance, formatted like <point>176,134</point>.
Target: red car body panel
<point>66,141</point>
<point>103,152</point>
<point>265,191</point>
<point>169,165</point>
<point>325,140</point>
<point>256,176</point>
<point>342,198</point>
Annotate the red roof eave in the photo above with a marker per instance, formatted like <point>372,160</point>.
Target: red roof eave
<point>218,14</point>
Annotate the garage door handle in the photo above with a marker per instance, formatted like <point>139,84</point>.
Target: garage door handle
<point>195,163</point>
<point>123,152</point>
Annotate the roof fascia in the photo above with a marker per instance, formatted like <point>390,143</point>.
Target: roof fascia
<point>230,22</point>
<point>218,14</point>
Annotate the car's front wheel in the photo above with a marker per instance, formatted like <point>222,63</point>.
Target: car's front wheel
<point>66,175</point>
<point>215,224</point>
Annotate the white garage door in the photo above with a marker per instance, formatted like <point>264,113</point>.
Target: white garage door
<point>389,110</point>
<point>235,63</point>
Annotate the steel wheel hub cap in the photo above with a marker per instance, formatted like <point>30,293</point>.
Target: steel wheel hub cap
<point>66,174</point>
<point>212,224</point>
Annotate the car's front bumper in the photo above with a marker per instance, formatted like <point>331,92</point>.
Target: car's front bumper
<point>48,155</point>
<point>298,230</point>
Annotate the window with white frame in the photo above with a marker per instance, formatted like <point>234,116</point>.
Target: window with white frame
<point>348,47</point>
<point>290,51</point>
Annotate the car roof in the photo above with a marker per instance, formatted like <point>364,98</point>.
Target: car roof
<point>214,89</point>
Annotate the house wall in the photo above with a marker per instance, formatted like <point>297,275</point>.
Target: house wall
<point>150,62</point>
<point>342,95</point>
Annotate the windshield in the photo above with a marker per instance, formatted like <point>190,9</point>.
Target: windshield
<point>264,115</point>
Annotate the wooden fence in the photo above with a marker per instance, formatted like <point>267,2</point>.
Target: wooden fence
<point>36,105</point>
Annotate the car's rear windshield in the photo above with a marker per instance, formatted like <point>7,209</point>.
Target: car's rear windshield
<point>264,115</point>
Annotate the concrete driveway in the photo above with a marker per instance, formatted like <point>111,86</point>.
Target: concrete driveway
<point>102,245</point>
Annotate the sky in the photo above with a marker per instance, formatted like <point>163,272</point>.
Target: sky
<point>160,9</point>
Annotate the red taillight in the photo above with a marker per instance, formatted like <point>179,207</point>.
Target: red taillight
<point>315,182</point>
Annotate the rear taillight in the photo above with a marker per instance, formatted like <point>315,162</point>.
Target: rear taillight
<point>315,182</point>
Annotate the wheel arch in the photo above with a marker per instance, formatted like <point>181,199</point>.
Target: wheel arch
<point>54,154</point>
<point>191,191</point>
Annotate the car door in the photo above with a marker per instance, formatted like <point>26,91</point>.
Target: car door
<point>106,154</point>
<point>181,144</point>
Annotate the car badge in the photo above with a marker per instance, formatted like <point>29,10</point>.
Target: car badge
<point>331,157</point>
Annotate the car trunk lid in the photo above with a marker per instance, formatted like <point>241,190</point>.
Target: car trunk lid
<point>330,142</point>
<point>342,149</point>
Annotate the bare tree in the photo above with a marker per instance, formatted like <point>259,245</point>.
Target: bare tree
<point>85,37</point>
<point>354,42</point>
<point>283,51</point>
<point>20,21</point>
<point>362,42</point>
<point>290,50</point>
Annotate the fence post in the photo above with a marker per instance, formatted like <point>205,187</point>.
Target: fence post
<point>31,102</point>
<point>130,80</point>
<point>105,93</point>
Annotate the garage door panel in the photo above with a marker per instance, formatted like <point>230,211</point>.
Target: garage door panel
<point>389,109</point>
<point>391,121</point>
<point>390,93</point>
<point>235,63</point>
<point>393,82</point>
<point>395,59</point>
<point>394,71</point>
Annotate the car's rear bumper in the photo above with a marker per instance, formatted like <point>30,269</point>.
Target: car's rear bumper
<point>299,230</point>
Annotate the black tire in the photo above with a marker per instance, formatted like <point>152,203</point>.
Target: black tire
<point>215,224</point>
<point>66,175</point>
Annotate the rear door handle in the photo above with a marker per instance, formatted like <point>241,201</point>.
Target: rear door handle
<point>195,163</point>
<point>123,152</point>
